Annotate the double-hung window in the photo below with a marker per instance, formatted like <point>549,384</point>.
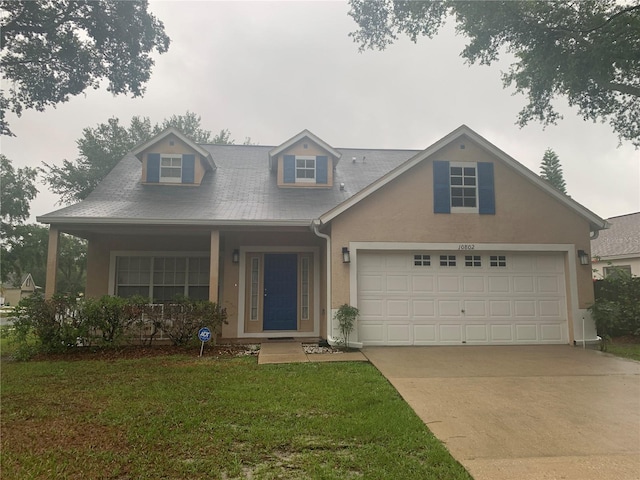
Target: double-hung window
<point>305,169</point>
<point>171,168</point>
<point>464,192</point>
<point>463,187</point>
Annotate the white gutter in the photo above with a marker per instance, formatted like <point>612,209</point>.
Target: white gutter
<point>315,224</point>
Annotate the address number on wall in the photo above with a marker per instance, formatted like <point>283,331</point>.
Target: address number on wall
<point>466,246</point>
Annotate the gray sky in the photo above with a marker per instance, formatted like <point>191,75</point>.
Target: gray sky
<point>268,70</point>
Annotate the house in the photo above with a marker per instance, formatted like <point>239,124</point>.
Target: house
<point>10,294</point>
<point>618,247</point>
<point>455,244</point>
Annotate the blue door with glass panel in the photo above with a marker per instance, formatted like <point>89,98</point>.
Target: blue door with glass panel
<point>280,292</point>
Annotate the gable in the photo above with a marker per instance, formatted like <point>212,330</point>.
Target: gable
<point>493,168</point>
<point>171,161</point>
<point>304,164</point>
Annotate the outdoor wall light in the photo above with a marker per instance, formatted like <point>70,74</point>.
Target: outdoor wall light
<point>346,256</point>
<point>235,258</point>
<point>584,257</point>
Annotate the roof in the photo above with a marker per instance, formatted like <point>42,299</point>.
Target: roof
<point>244,191</point>
<point>621,239</point>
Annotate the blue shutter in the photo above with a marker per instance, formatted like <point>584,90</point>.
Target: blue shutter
<point>322,175</point>
<point>441,188</point>
<point>289,169</point>
<point>188,168</point>
<point>153,167</point>
<point>486,191</point>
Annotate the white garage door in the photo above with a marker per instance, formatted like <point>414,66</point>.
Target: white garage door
<point>449,298</point>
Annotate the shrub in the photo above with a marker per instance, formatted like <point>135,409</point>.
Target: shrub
<point>346,317</point>
<point>111,318</point>
<point>182,318</point>
<point>616,310</point>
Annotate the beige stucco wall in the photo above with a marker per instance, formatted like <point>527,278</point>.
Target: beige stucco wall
<point>312,150</point>
<point>178,147</point>
<point>402,211</point>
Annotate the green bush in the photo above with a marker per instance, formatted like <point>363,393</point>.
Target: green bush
<point>182,318</point>
<point>110,318</point>
<point>346,317</point>
<point>616,310</point>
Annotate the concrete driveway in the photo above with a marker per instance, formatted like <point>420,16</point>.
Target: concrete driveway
<point>524,412</point>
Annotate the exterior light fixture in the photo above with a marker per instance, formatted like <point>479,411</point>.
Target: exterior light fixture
<point>346,256</point>
<point>235,258</point>
<point>584,257</point>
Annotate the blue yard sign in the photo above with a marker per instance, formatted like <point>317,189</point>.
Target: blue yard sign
<point>204,334</point>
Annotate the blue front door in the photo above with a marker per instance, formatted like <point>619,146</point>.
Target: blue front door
<point>280,292</point>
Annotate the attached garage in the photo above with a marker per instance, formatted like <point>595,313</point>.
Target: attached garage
<point>461,297</point>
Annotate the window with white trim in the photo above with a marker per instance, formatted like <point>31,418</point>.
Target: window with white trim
<point>497,261</point>
<point>420,260</point>
<point>464,191</point>
<point>616,271</point>
<point>305,169</point>
<point>170,168</point>
<point>447,260</point>
<point>255,285</point>
<point>162,278</point>
<point>304,287</point>
<point>472,261</point>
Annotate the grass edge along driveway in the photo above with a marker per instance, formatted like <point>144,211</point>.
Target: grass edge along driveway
<point>180,417</point>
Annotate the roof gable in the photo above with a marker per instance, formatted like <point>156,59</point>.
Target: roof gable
<point>596,223</point>
<point>182,137</point>
<point>273,154</point>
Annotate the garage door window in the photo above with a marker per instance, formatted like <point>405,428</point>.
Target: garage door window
<point>422,260</point>
<point>472,261</point>
<point>447,260</point>
<point>498,261</point>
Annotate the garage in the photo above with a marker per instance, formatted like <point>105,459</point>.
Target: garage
<point>469,297</point>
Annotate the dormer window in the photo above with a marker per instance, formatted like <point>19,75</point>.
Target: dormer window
<point>171,169</point>
<point>305,169</point>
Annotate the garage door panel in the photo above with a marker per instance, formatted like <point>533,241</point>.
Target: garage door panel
<point>423,308</point>
<point>473,284</point>
<point>450,333</point>
<point>449,308</point>
<point>424,334</point>
<point>476,333</point>
<point>515,298</point>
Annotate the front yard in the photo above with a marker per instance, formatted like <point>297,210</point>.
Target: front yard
<point>179,417</point>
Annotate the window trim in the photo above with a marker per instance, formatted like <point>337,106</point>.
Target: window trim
<point>463,165</point>
<point>172,179</point>
<point>306,158</point>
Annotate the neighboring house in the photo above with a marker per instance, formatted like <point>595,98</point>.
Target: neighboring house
<point>10,295</point>
<point>618,247</point>
<point>455,244</point>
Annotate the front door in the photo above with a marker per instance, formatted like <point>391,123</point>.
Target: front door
<point>280,291</point>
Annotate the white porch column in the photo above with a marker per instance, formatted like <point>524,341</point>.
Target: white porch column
<point>214,266</point>
<point>52,262</point>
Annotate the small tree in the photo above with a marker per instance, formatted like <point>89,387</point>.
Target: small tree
<point>346,317</point>
<point>551,170</point>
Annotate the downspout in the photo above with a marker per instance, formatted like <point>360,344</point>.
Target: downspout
<point>315,225</point>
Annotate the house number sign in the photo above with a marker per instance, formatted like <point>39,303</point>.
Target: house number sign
<point>466,246</point>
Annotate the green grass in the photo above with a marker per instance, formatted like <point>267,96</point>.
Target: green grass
<point>625,350</point>
<point>178,417</point>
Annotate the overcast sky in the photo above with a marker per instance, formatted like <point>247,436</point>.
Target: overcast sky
<point>268,70</point>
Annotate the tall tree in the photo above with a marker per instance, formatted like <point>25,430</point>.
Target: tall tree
<point>51,51</point>
<point>17,189</point>
<point>551,170</point>
<point>102,147</point>
<point>586,51</point>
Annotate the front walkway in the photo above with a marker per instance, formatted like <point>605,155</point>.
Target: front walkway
<point>292,352</point>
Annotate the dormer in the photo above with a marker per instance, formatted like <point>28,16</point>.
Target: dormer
<point>171,158</point>
<point>304,161</point>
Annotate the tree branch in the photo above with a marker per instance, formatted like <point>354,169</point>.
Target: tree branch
<point>622,88</point>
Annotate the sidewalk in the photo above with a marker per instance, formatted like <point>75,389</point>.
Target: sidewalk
<point>292,352</point>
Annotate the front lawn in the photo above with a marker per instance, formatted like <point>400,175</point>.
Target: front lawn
<point>181,417</point>
<point>627,347</point>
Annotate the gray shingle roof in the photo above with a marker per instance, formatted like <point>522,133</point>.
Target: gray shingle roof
<point>622,237</point>
<point>241,189</point>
